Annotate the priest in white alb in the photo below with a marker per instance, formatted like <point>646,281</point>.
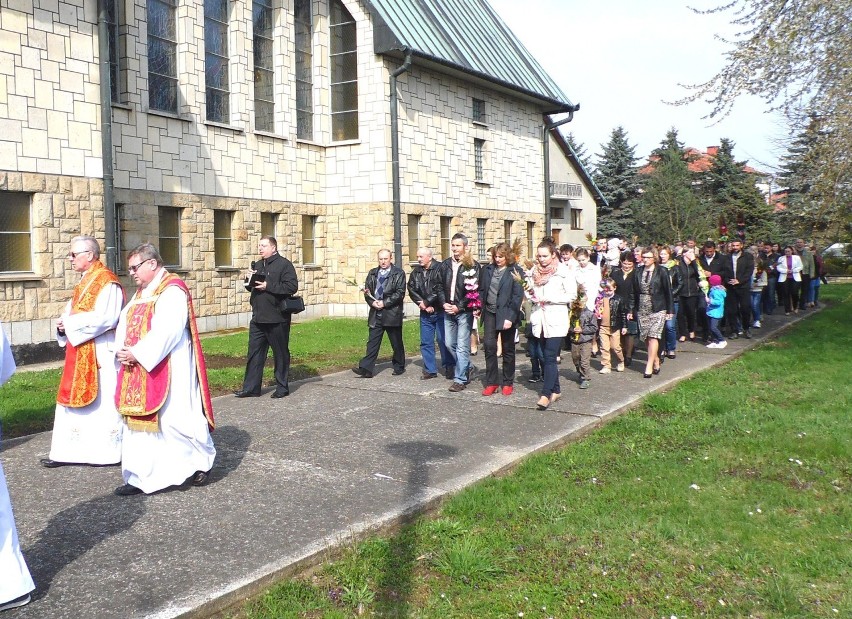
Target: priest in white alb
<point>87,428</point>
<point>15,580</point>
<point>162,390</point>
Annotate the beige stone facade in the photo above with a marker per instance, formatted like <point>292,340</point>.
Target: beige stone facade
<point>480,176</point>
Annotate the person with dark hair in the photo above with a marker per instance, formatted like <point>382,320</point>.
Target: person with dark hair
<point>501,293</point>
<point>740,268</point>
<point>270,281</point>
<point>624,284</point>
<point>384,292</point>
<point>790,279</point>
<point>690,293</point>
<point>459,295</point>
<point>770,293</point>
<point>162,390</point>
<point>86,427</point>
<point>652,306</point>
<point>712,263</point>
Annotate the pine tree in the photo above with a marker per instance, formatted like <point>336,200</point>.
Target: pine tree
<point>580,150</point>
<point>617,177</point>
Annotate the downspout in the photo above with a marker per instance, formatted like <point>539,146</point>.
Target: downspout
<point>111,237</point>
<point>545,142</point>
<point>397,200</point>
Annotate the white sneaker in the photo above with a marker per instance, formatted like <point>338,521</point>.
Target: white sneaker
<point>712,345</point>
<point>756,324</point>
<point>619,367</point>
<point>722,344</point>
<point>16,603</point>
<point>605,370</point>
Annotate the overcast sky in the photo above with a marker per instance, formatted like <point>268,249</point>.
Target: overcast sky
<point>620,59</point>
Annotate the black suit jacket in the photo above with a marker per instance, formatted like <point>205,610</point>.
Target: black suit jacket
<point>718,267</point>
<point>744,272</point>
<point>281,281</point>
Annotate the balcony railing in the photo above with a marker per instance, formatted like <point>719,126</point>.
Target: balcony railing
<point>566,190</point>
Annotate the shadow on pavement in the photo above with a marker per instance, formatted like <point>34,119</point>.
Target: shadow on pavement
<point>232,444</point>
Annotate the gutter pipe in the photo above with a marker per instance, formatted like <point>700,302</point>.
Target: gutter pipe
<point>110,227</point>
<point>545,142</point>
<point>397,200</point>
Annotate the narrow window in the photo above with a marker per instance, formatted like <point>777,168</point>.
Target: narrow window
<point>344,74</point>
<point>15,233</point>
<point>446,222</point>
<point>531,240</point>
<point>557,212</point>
<point>216,60</point>
<point>268,223</point>
<point>507,231</point>
<point>162,56</point>
<point>116,58</point>
<point>222,221</point>
<point>576,219</point>
<point>169,243</point>
<point>480,239</point>
<point>264,81</point>
<point>309,232</point>
<point>413,237</point>
<point>478,158</point>
<point>478,110</point>
<point>303,19</point>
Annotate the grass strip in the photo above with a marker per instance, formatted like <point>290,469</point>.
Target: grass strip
<point>727,496</point>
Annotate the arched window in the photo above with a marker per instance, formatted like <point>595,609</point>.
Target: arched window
<point>344,74</point>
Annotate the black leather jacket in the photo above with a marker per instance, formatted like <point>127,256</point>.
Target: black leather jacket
<point>661,291</point>
<point>617,313</point>
<point>689,279</point>
<point>281,281</point>
<point>446,280</point>
<point>393,295</point>
<point>424,285</point>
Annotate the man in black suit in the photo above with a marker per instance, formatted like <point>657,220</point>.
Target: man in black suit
<point>739,265</point>
<point>270,281</point>
<point>712,263</point>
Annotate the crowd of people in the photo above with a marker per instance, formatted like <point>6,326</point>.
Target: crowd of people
<point>595,301</point>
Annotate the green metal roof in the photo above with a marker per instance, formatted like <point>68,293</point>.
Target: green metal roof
<point>467,36</point>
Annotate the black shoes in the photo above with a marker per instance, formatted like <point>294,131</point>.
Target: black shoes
<point>52,464</point>
<point>747,335</point>
<point>280,393</point>
<point>127,490</point>
<point>199,478</point>
<point>246,394</point>
<point>362,372</point>
<point>398,371</point>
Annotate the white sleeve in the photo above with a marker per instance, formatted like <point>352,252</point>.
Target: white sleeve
<point>168,326</point>
<point>84,326</point>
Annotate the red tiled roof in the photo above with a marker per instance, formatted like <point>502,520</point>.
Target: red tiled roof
<point>696,161</point>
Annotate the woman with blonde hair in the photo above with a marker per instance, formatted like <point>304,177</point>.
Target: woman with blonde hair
<point>652,306</point>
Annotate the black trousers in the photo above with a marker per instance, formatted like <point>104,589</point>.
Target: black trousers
<point>687,316</point>
<point>738,304</point>
<point>262,336</point>
<point>790,291</point>
<point>507,341</point>
<point>374,343</point>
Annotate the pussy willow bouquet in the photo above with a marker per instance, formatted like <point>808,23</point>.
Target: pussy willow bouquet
<point>471,282</point>
<point>364,289</point>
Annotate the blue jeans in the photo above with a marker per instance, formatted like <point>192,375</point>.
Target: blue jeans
<point>815,284</point>
<point>552,347</point>
<point>770,298</point>
<point>756,298</point>
<point>457,339</point>
<point>432,327</point>
<point>670,331</point>
<point>534,347</point>
<point>715,333</point>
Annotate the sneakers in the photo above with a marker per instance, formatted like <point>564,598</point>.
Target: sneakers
<point>713,345</point>
<point>756,324</point>
<point>619,367</point>
<point>534,379</point>
<point>456,387</point>
<point>605,370</point>
<point>585,384</point>
<point>507,389</point>
<point>490,390</point>
<point>722,344</point>
<point>17,602</point>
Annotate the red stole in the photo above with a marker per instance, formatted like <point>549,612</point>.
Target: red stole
<point>140,394</point>
<point>78,386</point>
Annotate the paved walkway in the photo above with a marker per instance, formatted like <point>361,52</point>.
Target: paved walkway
<point>292,478</point>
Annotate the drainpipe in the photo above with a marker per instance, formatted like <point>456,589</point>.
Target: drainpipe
<point>397,201</point>
<point>545,142</point>
<point>110,227</point>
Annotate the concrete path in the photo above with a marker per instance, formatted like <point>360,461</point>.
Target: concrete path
<point>293,478</point>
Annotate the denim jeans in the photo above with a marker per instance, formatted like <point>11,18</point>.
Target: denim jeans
<point>552,347</point>
<point>756,298</point>
<point>670,331</point>
<point>715,332</point>
<point>770,298</point>
<point>432,327</point>
<point>815,284</point>
<point>534,347</point>
<point>457,339</point>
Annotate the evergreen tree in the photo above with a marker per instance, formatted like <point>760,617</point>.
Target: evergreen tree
<point>731,193</point>
<point>580,150</point>
<point>669,209</point>
<point>617,177</point>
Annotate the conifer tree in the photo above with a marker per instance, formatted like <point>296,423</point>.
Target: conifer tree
<point>580,150</point>
<point>617,177</point>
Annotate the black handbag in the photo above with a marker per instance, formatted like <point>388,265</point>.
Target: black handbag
<point>292,305</point>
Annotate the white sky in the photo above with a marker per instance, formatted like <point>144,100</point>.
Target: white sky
<point>620,59</point>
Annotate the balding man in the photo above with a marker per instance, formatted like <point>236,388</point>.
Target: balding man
<point>424,288</point>
<point>384,292</point>
<point>87,428</point>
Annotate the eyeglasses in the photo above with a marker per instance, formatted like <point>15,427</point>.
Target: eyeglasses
<point>135,267</point>
<point>73,255</point>
<point>647,257</point>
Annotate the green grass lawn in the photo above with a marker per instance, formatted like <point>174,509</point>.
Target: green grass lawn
<point>317,347</point>
<point>727,496</point>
